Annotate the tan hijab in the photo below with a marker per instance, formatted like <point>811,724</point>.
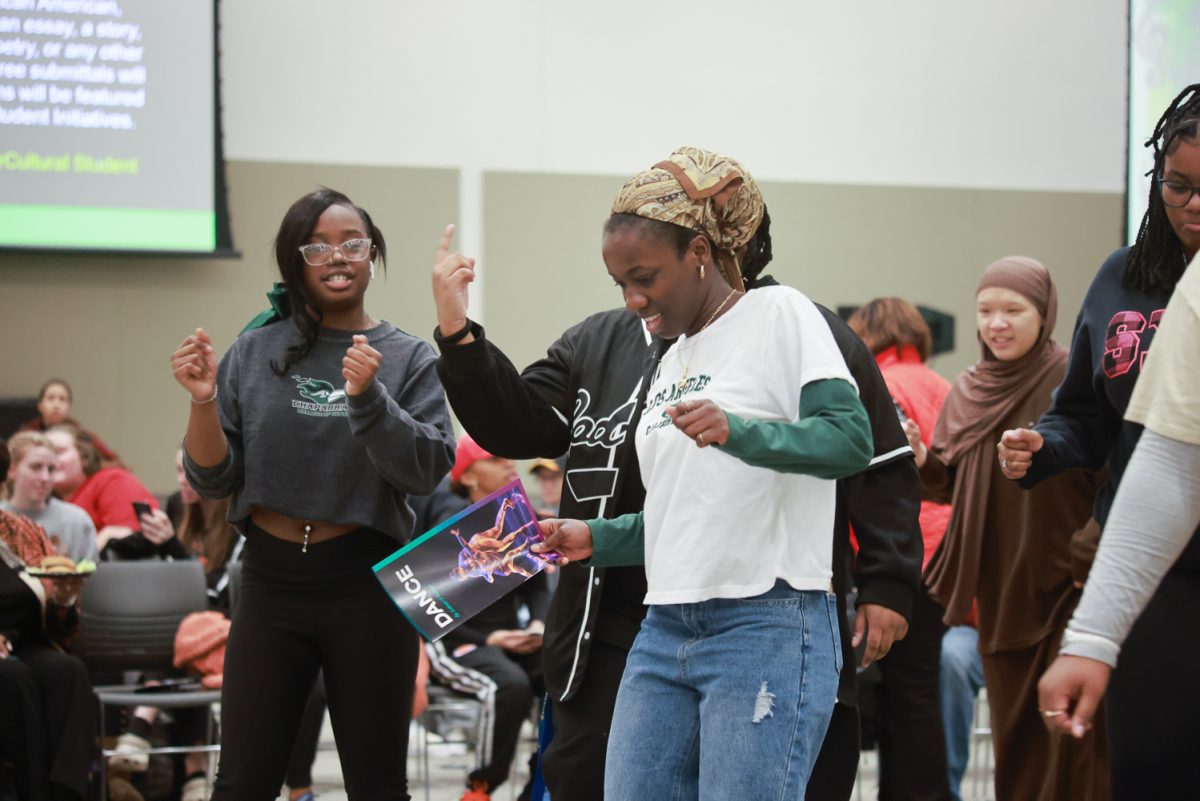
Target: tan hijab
<point>702,191</point>
<point>982,398</point>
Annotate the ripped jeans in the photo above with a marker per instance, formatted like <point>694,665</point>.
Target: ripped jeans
<point>726,699</point>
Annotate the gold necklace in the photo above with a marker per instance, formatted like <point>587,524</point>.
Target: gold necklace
<point>692,349</point>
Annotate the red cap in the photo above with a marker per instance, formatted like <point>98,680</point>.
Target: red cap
<point>467,454</point>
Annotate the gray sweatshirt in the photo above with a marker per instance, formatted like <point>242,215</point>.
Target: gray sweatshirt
<point>299,446</point>
<point>69,528</point>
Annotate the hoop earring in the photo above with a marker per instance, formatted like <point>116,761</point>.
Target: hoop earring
<point>701,271</point>
<point>371,269</point>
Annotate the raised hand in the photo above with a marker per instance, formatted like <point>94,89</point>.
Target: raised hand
<point>359,365</point>
<point>1015,451</point>
<point>452,272</point>
<point>703,421</point>
<point>194,365</point>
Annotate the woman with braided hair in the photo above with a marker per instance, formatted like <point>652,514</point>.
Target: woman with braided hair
<point>750,417</point>
<point>1151,752</point>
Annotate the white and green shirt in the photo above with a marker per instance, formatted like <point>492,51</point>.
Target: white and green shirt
<point>726,522</point>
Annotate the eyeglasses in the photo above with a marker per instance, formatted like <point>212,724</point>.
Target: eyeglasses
<point>318,254</point>
<point>1175,193</point>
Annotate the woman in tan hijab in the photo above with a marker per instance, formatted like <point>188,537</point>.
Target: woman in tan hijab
<point>1023,555</point>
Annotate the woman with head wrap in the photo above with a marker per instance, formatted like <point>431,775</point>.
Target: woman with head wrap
<point>1023,555</point>
<point>585,394</point>
<point>749,419</point>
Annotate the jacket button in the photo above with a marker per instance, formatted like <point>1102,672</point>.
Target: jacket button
<point>587,635</point>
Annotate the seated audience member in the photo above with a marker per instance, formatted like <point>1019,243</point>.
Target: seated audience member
<point>205,534</point>
<point>31,474</point>
<point>48,718</point>
<point>54,408</point>
<point>107,494</point>
<point>492,655</point>
<point>549,473</point>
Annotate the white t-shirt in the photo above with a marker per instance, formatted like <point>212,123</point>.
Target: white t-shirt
<point>717,527</point>
<point>1166,398</point>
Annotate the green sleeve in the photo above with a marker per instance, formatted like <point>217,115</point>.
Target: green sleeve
<point>832,438</point>
<point>619,541</point>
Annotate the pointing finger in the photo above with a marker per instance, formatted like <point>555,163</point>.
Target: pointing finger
<point>444,245</point>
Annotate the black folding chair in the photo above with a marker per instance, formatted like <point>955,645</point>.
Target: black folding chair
<point>129,613</point>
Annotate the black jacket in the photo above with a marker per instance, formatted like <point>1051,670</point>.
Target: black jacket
<point>586,395</point>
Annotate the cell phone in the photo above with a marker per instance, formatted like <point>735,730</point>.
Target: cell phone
<point>141,508</point>
<point>170,685</point>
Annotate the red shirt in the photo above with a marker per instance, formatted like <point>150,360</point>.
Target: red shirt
<point>920,393</point>
<point>108,496</point>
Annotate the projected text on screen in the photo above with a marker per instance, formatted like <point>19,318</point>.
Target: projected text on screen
<point>106,124</point>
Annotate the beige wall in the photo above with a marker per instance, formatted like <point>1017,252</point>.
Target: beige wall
<point>108,324</point>
<point>842,245</point>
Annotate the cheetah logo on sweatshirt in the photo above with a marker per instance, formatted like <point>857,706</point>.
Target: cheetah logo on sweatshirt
<point>320,398</point>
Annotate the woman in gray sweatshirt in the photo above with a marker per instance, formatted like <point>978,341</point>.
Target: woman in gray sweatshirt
<point>318,426</point>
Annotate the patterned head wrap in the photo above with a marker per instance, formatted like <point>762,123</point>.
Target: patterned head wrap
<point>705,192</point>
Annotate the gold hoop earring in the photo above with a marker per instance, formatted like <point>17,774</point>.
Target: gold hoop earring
<point>701,271</point>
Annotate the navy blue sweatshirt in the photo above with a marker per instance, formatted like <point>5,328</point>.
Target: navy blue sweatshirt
<point>1086,423</point>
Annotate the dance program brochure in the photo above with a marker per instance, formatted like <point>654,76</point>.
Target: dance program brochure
<point>466,563</point>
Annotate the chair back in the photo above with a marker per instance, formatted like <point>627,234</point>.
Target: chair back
<point>130,611</point>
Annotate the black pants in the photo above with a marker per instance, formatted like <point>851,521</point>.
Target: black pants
<point>299,771</point>
<point>836,769</point>
<point>299,613</point>
<point>1153,701</point>
<point>47,723</point>
<point>573,765</point>
<point>517,678</point>
<point>912,739</point>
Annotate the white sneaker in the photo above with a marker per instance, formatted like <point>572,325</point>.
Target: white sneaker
<point>131,754</point>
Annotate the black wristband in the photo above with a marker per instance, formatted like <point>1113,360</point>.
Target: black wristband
<point>454,338</point>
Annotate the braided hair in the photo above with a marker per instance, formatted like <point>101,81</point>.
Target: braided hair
<point>758,251</point>
<point>1156,260</point>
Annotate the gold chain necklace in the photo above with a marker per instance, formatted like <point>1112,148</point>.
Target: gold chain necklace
<point>692,348</point>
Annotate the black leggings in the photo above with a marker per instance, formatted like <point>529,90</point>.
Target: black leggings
<point>298,613</point>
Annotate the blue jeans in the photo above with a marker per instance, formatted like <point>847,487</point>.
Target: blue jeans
<point>961,678</point>
<point>727,698</point>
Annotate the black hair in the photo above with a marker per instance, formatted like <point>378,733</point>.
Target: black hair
<point>295,230</point>
<point>56,382</point>
<point>1156,260</point>
<point>758,251</point>
<point>677,236</point>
